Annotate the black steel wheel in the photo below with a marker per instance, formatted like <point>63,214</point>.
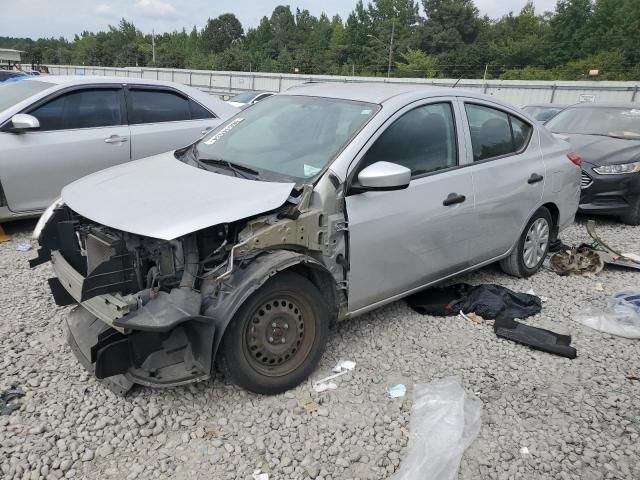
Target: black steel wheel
<point>277,337</point>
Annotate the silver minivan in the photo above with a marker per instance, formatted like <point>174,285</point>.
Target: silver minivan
<point>312,206</point>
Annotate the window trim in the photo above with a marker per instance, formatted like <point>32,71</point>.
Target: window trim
<point>523,149</point>
<point>169,89</point>
<point>75,88</point>
<point>352,175</point>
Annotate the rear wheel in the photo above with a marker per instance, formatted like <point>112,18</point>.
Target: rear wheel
<point>277,337</point>
<point>529,254</point>
<point>632,217</point>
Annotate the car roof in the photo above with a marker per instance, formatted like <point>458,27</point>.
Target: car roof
<point>372,92</point>
<point>70,80</point>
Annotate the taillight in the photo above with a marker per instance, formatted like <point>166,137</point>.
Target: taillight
<point>575,159</point>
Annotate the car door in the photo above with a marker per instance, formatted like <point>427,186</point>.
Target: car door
<point>402,240</point>
<point>82,130</point>
<point>164,119</point>
<point>508,176</point>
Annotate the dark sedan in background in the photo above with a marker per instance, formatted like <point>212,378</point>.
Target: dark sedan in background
<point>607,137</point>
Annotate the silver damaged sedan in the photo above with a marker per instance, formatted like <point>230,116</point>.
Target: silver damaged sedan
<point>309,207</point>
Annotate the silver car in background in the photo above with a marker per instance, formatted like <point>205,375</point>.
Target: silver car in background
<point>311,206</point>
<point>56,129</point>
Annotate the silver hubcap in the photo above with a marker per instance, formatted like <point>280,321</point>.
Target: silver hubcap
<point>536,243</point>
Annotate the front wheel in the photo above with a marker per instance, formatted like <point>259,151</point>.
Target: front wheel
<point>529,254</point>
<point>277,337</point>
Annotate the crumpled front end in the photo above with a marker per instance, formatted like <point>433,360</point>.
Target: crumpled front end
<point>137,318</point>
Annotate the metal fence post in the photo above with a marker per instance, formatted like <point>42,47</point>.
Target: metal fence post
<point>635,93</point>
<point>210,79</point>
<point>190,78</point>
<point>280,84</point>
<point>553,93</point>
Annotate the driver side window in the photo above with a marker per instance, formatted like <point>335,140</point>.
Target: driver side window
<point>423,140</point>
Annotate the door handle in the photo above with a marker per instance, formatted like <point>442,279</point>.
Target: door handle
<point>535,178</point>
<point>206,130</point>
<point>454,198</point>
<point>115,139</point>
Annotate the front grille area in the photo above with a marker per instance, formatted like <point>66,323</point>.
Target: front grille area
<point>585,181</point>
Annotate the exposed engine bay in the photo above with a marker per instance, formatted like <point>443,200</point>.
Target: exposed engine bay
<point>152,311</point>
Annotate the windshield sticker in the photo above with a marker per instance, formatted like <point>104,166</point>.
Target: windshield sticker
<point>310,170</point>
<point>224,131</point>
<point>632,113</point>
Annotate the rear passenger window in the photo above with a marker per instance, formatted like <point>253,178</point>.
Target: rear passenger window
<point>90,108</point>
<point>495,133</point>
<point>198,111</point>
<point>155,106</point>
<point>423,140</point>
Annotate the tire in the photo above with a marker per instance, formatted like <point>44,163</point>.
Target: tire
<point>277,337</point>
<point>521,263</point>
<point>632,217</point>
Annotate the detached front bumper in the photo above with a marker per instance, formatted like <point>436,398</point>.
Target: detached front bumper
<point>608,194</point>
<point>124,343</point>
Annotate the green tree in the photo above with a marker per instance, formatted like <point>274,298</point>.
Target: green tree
<point>449,24</point>
<point>219,33</point>
<point>569,29</point>
<point>416,63</point>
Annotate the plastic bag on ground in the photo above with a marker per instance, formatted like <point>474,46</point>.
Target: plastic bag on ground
<point>622,317</point>
<point>445,420</point>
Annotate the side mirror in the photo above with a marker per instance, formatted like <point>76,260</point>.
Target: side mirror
<point>383,176</point>
<point>23,122</point>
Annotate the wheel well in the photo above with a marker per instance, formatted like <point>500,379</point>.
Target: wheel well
<point>555,218</point>
<point>323,281</point>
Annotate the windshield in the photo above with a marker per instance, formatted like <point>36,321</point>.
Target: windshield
<point>610,121</point>
<point>245,97</point>
<point>290,136</point>
<point>14,92</point>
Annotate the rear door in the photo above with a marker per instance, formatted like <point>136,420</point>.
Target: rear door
<point>164,119</point>
<point>82,130</point>
<point>508,176</point>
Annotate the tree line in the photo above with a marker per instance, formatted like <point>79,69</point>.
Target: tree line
<point>400,38</point>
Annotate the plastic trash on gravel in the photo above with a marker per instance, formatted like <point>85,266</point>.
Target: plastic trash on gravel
<point>445,420</point>
<point>622,317</point>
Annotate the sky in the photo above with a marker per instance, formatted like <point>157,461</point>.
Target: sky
<point>55,18</point>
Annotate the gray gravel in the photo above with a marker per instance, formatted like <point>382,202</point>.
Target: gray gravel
<point>578,419</point>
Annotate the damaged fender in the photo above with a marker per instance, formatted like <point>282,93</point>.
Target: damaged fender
<point>221,301</point>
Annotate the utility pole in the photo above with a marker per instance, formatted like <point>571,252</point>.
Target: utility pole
<point>153,46</point>
<point>393,32</point>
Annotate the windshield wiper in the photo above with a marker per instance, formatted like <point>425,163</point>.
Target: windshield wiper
<point>237,169</point>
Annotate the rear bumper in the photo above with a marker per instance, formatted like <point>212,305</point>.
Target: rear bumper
<point>610,194</point>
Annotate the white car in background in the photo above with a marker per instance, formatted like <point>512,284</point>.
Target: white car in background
<point>57,129</point>
<point>245,99</point>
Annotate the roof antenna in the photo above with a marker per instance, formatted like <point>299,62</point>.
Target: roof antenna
<point>457,82</point>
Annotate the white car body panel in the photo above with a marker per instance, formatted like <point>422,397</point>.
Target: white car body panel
<point>161,197</point>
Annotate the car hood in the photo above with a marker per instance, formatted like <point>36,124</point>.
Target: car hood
<point>162,197</point>
<point>603,150</point>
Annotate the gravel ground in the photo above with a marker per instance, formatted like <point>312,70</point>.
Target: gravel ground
<point>578,419</point>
